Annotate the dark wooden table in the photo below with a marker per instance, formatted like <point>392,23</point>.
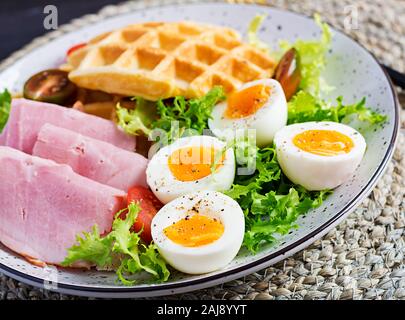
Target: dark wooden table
<point>22,20</point>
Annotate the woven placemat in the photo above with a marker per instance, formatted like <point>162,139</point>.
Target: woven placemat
<point>363,258</point>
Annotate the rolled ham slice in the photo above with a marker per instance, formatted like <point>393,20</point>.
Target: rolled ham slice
<point>27,117</point>
<point>94,159</point>
<point>44,205</point>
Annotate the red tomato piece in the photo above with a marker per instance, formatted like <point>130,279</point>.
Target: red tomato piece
<point>76,47</point>
<point>149,207</point>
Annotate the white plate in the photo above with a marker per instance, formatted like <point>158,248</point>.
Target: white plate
<point>352,70</point>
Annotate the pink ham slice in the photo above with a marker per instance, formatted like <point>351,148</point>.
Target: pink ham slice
<point>3,137</point>
<point>27,117</point>
<point>94,159</point>
<point>44,205</point>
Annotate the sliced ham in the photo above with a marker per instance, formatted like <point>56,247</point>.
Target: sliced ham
<point>44,205</point>
<point>27,117</point>
<point>3,137</point>
<point>94,159</point>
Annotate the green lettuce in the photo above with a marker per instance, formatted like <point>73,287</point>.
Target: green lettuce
<point>92,248</point>
<point>120,244</point>
<point>188,114</point>
<point>253,29</point>
<point>5,106</point>
<point>138,120</point>
<point>312,55</point>
<point>270,201</point>
<point>305,107</point>
<point>173,116</point>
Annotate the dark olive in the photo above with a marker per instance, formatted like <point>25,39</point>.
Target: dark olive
<point>288,72</point>
<point>51,86</point>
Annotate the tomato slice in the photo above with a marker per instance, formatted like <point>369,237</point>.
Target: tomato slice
<point>51,86</point>
<point>76,47</point>
<point>288,72</point>
<point>149,207</point>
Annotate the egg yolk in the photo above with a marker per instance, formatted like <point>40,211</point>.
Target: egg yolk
<point>194,231</point>
<point>246,102</point>
<point>194,163</point>
<point>323,142</point>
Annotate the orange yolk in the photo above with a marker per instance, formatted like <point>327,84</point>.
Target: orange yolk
<point>195,231</point>
<point>194,163</point>
<point>323,142</point>
<point>246,102</point>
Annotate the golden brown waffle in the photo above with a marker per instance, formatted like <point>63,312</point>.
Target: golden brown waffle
<point>160,60</point>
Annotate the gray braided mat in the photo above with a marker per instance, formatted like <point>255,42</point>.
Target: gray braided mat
<point>363,258</point>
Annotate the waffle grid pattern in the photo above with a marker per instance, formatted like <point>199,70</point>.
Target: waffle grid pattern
<point>161,60</point>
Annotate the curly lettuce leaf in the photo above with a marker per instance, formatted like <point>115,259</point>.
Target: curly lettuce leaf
<point>138,120</point>
<point>5,106</point>
<point>153,261</point>
<point>91,248</point>
<point>148,260</point>
<point>188,114</point>
<point>121,241</point>
<point>275,213</point>
<point>270,201</point>
<point>141,257</point>
<point>127,242</point>
<point>172,116</point>
<point>359,110</point>
<point>312,55</point>
<point>253,29</point>
<point>304,107</point>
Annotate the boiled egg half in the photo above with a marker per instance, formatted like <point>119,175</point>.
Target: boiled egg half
<point>319,155</point>
<point>258,105</point>
<point>191,164</point>
<point>199,232</point>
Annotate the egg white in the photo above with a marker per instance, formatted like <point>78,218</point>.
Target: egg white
<point>167,187</point>
<point>205,258</point>
<point>316,172</point>
<point>271,117</point>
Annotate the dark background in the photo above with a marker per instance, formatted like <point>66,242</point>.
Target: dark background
<point>22,20</point>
